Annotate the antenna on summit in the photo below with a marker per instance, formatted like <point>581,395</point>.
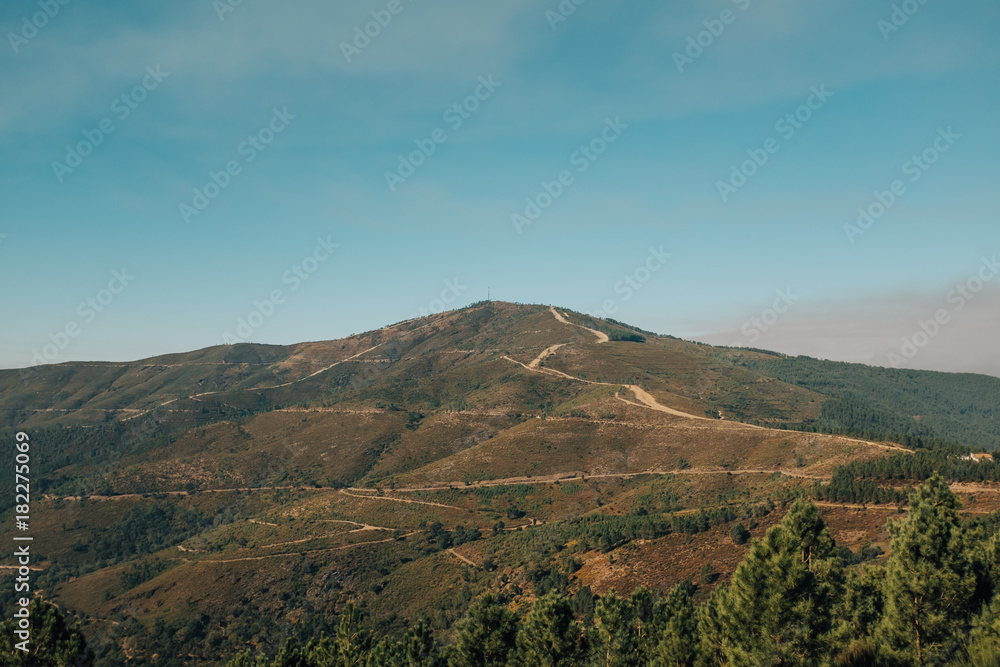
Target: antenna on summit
<point>488,294</point>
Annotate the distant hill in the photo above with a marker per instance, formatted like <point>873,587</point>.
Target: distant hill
<point>883,402</point>
<point>454,361</point>
<point>202,502</point>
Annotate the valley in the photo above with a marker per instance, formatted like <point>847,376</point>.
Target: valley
<point>233,497</point>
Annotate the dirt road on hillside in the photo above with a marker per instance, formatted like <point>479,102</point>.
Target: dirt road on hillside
<point>584,476</point>
<point>299,553</point>
<point>548,352</point>
<point>461,557</point>
<point>601,336</point>
<point>347,492</point>
<point>196,397</point>
<point>646,400</point>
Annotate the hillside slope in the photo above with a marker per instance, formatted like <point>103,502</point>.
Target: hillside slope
<point>459,360</point>
<point>191,502</point>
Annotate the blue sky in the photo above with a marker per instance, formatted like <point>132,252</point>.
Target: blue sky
<point>345,120</point>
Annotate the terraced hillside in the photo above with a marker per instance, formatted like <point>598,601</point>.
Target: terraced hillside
<point>197,502</point>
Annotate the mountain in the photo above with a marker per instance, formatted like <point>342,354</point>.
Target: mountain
<point>203,500</point>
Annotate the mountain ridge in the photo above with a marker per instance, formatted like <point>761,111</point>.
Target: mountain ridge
<point>63,392</point>
<point>497,447</point>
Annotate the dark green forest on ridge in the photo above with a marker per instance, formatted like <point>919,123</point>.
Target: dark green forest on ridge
<point>886,403</point>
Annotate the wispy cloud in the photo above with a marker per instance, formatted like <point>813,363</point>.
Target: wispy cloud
<point>608,59</point>
<point>870,329</point>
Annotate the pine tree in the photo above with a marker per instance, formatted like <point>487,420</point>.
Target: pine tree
<point>417,648</point>
<point>52,642</point>
<point>676,629</point>
<point>549,637</point>
<point>711,648</point>
<point>739,534</point>
<point>984,640</point>
<point>486,636</point>
<point>805,524</point>
<point>617,641</point>
<point>351,642</point>
<point>777,608</point>
<point>931,584</point>
<point>643,606</point>
<point>350,646</point>
<point>860,608</point>
<point>292,655</point>
<point>248,659</point>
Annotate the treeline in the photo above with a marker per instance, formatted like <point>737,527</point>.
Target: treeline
<point>629,336</point>
<point>856,415</point>
<point>846,487</point>
<point>792,601</point>
<point>921,465</point>
<point>851,416</point>
<point>607,532</point>
<point>883,403</point>
<point>859,481</point>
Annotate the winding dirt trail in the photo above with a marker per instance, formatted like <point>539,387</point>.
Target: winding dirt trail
<point>244,489</point>
<point>196,397</point>
<point>547,352</point>
<point>646,400</point>
<point>461,557</point>
<point>361,527</point>
<point>601,336</point>
<point>313,374</point>
<point>579,476</point>
<point>643,400</point>
<point>321,537</point>
<point>298,553</point>
<point>347,492</point>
